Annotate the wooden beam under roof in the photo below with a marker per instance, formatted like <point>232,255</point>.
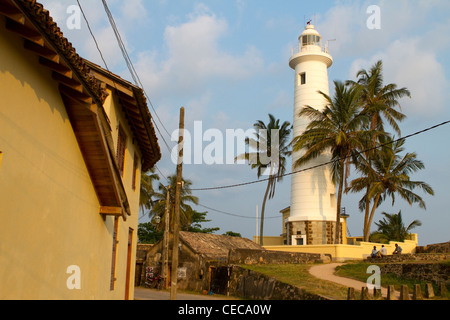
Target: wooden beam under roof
<point>58,67</point>
<point>94,147</point>
<point>70,82</point>
<point>25,31</point>
<point>77,95</point>
<point>43,51</point>
<point>11,11</point>
<point>111,211</point>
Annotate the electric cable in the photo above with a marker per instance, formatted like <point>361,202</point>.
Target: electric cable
<point>132,70</point>
<point>236,215</point>
<point>322,164</point>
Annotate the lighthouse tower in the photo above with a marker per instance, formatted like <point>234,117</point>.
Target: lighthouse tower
<point>313,195</point>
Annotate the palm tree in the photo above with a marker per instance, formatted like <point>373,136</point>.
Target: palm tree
<point>337,129</point>
<point>270,156</point>
<point>388,175</point>
<point>392,227</point>
<point>186,211</point>
<point>147,191</point>
<point>380,102</point>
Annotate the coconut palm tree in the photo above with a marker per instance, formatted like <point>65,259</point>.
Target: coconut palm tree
<point>392,227</point>
<point>386,175</point>
<point>337,129</point>
<point>272,144</point>
<point>381,103</point>
<point>147,191</point>
<point>186,198</point>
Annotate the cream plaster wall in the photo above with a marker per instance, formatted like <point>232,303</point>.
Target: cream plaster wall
<point>49,212</point>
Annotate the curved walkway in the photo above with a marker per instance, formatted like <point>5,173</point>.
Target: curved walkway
<point>326,272</point>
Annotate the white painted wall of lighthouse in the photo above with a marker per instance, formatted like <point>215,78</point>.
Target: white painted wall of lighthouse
<point>312,192</point>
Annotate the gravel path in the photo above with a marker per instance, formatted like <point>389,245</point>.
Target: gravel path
<point>326,272</point>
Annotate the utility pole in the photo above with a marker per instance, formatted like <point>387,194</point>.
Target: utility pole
<point>176,228</point>
<point>165,257</point>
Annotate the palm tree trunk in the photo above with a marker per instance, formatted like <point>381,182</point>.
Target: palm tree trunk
<point>366,215</point>
<point>372,213</point>
<point>337,239</point>
<point>262,213</point>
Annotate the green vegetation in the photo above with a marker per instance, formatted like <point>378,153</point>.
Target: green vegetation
<point>357,271</point>
<point>298,275</point>
<point>275,166</point>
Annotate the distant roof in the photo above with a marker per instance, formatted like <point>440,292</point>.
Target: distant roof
<point>216,246</point>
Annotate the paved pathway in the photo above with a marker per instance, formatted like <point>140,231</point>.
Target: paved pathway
<point>141,293</point>
<point>326,272</point>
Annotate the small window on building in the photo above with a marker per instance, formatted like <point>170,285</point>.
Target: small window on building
<point>302,78</point>
<point>1,155</point>
<point>135,171</point>
<point>121,147</point>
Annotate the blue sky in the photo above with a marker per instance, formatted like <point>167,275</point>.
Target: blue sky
<point>226,62</point>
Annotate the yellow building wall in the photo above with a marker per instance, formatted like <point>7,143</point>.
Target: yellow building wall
<point>343,252</point>
<point>114,112</point>
<point>49,216</point>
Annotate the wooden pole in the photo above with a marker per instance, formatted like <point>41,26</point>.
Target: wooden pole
<point>176,229</point>
<point>165,257</point>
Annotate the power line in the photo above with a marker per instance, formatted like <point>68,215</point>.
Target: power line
<point>236,215</point>
<point>127,60</point>
<point>323,164</point>
<point>92,34</point>
<point>132,70</point>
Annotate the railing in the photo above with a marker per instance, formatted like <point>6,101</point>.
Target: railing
<point>310,48</point>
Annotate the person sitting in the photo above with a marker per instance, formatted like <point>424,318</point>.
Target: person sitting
<point>383,251</point>
<point>398,249</point>
<point>374,253</point>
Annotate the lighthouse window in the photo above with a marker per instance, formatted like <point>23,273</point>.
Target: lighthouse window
<point>302,78</point>
<point>309,40</point>
<point>305,40</point>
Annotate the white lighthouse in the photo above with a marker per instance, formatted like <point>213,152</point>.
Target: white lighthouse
<point>313,195</point>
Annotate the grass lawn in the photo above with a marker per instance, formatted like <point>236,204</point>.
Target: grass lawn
<point>298,275</point>
<point>357,270</point>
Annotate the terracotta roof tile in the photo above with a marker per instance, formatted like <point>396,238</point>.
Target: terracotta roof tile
<point>216,246</point>
<point>47,26</point>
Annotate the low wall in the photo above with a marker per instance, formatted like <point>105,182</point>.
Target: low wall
<point>342,252</point>
<point>429,272</point>
<point>249,257</point>
<point>249,284</point>
<point>409,257</point>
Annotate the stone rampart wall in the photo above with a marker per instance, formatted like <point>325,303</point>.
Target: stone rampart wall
<point>410,257</point>
<point>428,272</point>
<point>249,284</point>
<point>249,257</point>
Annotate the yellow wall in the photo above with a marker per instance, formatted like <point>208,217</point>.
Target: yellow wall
<point>114,112</point>
<point>49,216</point>
<point>342,252</point>
<point>269,241</point>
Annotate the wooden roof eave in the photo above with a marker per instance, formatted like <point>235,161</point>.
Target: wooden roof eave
<point>135,107</point>
<point>77,95</point>
<point>115,201</point>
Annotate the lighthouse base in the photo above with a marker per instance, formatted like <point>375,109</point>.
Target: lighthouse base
<point>312,232</point>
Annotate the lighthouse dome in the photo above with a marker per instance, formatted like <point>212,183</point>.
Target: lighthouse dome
<point>310,37</point>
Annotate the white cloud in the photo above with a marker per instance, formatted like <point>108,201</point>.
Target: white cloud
<point>133,10</point>
<point>407,43</point>
<point>194,56</point>
<point>409,64</point>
